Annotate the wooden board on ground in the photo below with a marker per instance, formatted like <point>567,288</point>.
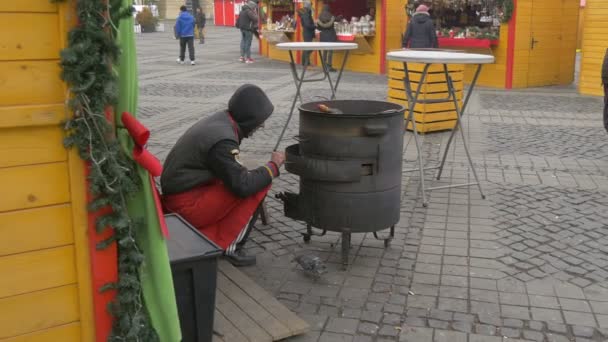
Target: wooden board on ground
<point>246,312</point>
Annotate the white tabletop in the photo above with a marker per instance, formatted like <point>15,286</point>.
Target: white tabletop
<point>316,46</point>
<point>439,57</point>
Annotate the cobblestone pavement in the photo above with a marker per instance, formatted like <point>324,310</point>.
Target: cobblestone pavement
<point>529,263</point>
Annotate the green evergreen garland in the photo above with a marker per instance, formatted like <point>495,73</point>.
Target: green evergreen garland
<point>507,7</point>
<point>87,69</point>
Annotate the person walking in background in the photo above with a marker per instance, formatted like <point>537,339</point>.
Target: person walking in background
<point>184,30</point>
<point>200,24</point>
<point>248,24</point>
<point>325,24</point>
<point>605,82</point>
<point>420,33</point>
<point>308,29</point>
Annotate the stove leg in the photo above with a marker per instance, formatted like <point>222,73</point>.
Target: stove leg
<point>345,248</point>
<point>387,240</point>
<point>309,233</point>
<point>306,236</point>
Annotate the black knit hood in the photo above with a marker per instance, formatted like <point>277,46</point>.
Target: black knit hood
<point>249,107</point>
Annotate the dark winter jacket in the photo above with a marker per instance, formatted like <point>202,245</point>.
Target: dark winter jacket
<point>201,21</point>
<point>325,24</point>
<point>209,149</point>
<point>248,17</point>
<point>308,24</point>
<point>420,33</point>
<point>605,69</point>
<point>184,26</point>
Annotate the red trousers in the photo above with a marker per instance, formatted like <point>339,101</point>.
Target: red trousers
<point>215,211</point>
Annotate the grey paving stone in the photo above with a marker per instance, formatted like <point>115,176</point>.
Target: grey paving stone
<point>371,316</point>
<point>342,325</point>
<point>485,329</point>
<point>574,305</point>
<point>449,336</point>
<point>557,338</point>
<point>362,338</point>
<point>416,321</point>
<point>332,337</point>
<point>580,318</point>
<point>368,328</point>
<point>414,334</point>
<point>583,331</point>
<point>536,325</point>
<point>558,328</point>
<point>513,323</point>
<point>484,338</point>
<point>520,312</point>
<point>463,326</point>
<point>533,336</point>
<point>510,332</point>
<point>547,315</point>
<point>433,323</point>
<point>389,330</point>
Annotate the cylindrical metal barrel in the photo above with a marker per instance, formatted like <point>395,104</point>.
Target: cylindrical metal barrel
<point>349,165</point>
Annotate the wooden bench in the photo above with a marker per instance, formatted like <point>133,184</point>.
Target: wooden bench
<point>245,312</point>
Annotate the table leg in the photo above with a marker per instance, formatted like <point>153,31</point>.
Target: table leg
<point>346,54</point>
<point>412,100</point>
<point>326,72</point>
<point>459,113</point>
<point>298,82</point>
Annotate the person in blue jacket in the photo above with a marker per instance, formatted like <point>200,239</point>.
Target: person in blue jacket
<point>184,31</point>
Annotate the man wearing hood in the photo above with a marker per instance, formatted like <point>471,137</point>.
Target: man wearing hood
<point>420,33</point>
<point>204,182</point>
<point>308,29</point>
<point>325,24</point>
<point>184,30</point>
<point>248,24</point>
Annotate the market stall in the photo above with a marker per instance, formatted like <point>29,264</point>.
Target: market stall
<point>520,34</point>
<point>360,21</point>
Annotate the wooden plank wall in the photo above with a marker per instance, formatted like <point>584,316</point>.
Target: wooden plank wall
<point>45,291</point>
<point>595,42</point>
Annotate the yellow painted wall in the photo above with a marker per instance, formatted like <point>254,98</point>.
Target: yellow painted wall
<point>595,43</point>
<point>45,287</point>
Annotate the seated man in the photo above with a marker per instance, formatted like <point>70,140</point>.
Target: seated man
<point>204,182</point>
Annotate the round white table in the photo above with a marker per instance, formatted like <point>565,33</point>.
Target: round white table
<point>299,80</point>
<point>444,57</point>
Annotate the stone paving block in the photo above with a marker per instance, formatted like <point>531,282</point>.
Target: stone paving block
<point>520,312</point>
<point>547,315</point>
<point>414,334</point>
<point>342,325</point>
<point>533,335</point>
<point>449,336</point>
<point>456,305</point>
<point>557,338</point>
<point>484,338</point>
<point>544,301</point>
<point>580,318</point>
<point>485,329</point>
<point>332,337</point>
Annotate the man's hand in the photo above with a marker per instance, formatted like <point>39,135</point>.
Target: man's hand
<point>278,158</point>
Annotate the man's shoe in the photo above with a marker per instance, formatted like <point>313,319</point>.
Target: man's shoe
<point>249,61</point>
<point>179,61</point>
<point>192,62</point>
<point>242,59</point>
<point>239,259</point>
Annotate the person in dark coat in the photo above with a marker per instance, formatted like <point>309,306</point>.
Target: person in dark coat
<point>248,24</point>
<point>200,24</point>
<point>420,33</point>
<point>325,24</point>
<point>605,82</point>
<point>204,182</point>
<point>308,29</point>
<point>184,30</point>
